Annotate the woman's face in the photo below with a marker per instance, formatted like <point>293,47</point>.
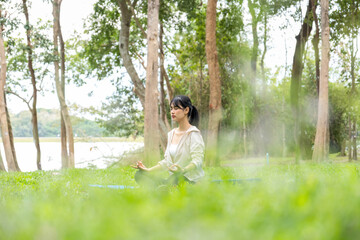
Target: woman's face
<point>178,114</point>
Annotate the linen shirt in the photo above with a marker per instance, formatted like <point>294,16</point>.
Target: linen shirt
<point>190,149</point>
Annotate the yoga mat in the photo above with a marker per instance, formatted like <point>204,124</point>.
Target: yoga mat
<point>112,186</point>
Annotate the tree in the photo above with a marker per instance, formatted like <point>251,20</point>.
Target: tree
<point>6,131</point>
<point>151,124</point>
<point>321,147</point>
<point>215,111</point>
<point>32,109</point>
<point>345,22</point>
<point>68,160</point>
<point>296,73</point>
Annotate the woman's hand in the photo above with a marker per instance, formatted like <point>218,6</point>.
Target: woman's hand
<point>139,165</point>
<point>176,168</point>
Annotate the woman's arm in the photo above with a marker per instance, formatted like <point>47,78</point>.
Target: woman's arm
<point>142,167</point>
<point>197,149</point>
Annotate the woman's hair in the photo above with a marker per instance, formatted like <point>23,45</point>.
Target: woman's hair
<point>183,102</point>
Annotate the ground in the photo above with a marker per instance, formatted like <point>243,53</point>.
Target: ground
<point>281,200</point>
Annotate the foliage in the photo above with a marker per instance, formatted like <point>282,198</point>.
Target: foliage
<point>121,116</point>
<point>272,202</point>
<point>49,125</point>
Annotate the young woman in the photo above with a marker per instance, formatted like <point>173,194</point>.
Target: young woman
<point>184,153</point>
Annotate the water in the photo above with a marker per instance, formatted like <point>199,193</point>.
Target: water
<point>87,154</point>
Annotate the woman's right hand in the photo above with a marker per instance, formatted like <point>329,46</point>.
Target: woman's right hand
<point>141,166</point>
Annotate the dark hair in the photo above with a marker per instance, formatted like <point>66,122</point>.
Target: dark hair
<point>183,102</point>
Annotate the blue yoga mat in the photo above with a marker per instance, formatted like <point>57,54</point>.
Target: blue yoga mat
<point>235,181</point>
<point>112,186</point>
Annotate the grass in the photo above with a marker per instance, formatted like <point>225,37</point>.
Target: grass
<point>304,201</point>
<point>82,139</point>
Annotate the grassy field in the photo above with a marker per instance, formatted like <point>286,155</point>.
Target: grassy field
<point>279,201</point>
<point>82,139</point>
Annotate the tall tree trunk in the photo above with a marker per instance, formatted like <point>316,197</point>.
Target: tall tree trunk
<point>215,111</point>
<point>66,123</point>
<point>58,81</point>
<point>284,150</point>
<point>162,76</point>
<point>350,138</point>
<point>139,88</point>
<point>33,110</point>
<point>2,167</point>
<point>354,140</point>
<point>296,74</point>
<point>151,124</point>
<point>262,62</point>
<point>284,146</point>
<point>263,146</point>
<point>255,18</point>
<point>321,147</point>
<point>11,136</point>
<point>343,146</point>
<point>353,93</point>
<point>315,41</point>
<point>4,121</point>
<point>244,125</point>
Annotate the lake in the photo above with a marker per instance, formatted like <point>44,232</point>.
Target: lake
<point>87,154</point>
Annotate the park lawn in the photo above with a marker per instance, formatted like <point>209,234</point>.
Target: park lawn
<point>285,201</point>
<point>81,139</point>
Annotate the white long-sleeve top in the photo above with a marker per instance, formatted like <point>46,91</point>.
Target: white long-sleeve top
<point>190,149</point>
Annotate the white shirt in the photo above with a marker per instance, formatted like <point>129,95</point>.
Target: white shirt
<point>190,149</point>
<point>172,150</point>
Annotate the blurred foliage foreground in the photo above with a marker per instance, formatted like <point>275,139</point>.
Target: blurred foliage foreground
<point>304,201</point>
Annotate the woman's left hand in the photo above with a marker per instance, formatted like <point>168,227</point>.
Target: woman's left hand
<point>176,168</point>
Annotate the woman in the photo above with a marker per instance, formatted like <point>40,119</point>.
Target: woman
<point>184,153</point>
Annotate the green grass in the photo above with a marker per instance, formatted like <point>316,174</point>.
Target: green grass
<point>305,201</point>
<point>82,139</point>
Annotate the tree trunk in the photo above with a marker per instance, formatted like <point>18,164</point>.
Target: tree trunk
<point>321,147</point>
<point>58,82</point>
<point>315,43</point>
<point>263,75</point>
<point>353,89</point>
<point>33,110</point>
<point>139,88</point>
<point>151,124</point>
<point>64,150</point>
<point>343,146</point>
<point>69,137</point>
<point>255,49</point>
<point>215,111</point>
<point>284,150</point>
<point>2,167</point>
<point>162,76</point>
<point>350,138</point>
<point>244,125</point>
<point>4,121</point>
<point>11,136</point>
<point>296,74</point>
<point>354,140</point>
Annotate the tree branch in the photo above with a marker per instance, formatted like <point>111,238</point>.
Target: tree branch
<point>23,99</point>
<point>136,19</point>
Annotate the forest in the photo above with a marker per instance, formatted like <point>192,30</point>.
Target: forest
<point>217,56</point>
<point>276,86</point>
<point>251,108</point>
